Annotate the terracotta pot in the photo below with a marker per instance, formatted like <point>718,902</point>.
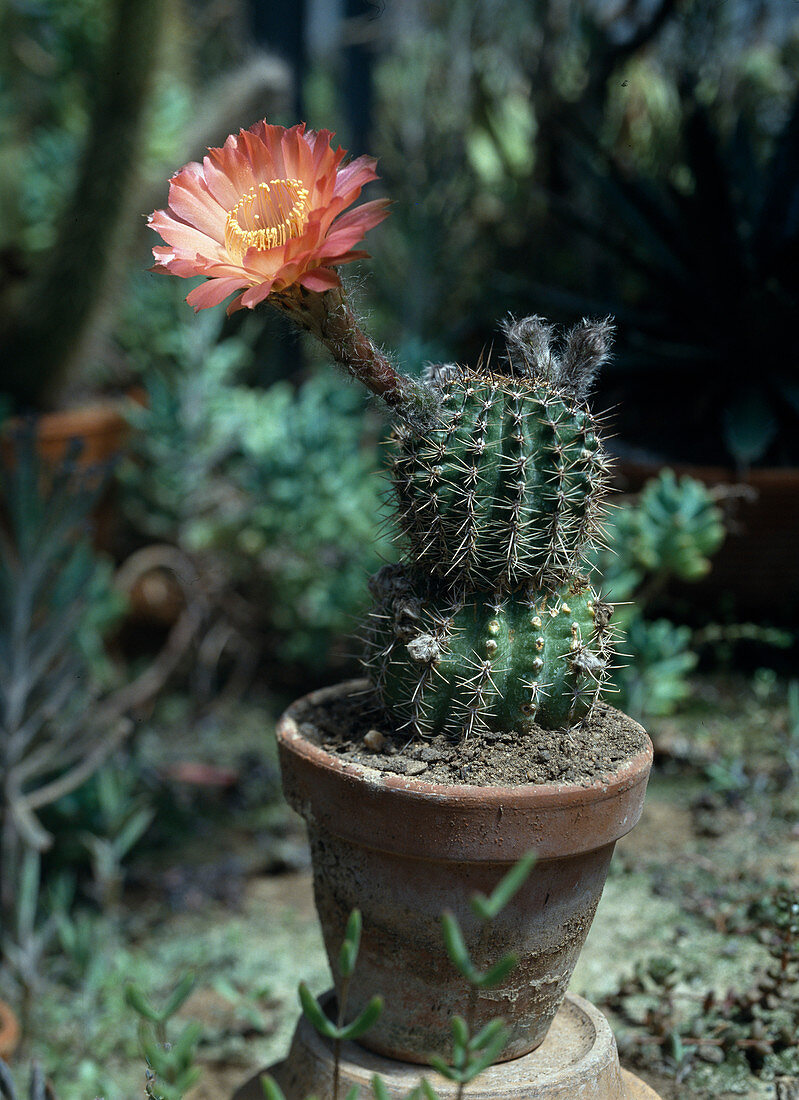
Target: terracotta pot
<point>757,563</point>
<point>9,1032</point>
<point>402,850</point>
<point>101,427</point>
<point>103,431</point>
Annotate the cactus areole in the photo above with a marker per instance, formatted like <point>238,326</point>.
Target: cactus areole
<point>490,622</point>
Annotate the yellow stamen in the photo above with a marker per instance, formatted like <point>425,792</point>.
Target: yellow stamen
<point>266,217</point>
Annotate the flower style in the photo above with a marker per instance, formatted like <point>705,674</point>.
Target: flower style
<point>264,213</point>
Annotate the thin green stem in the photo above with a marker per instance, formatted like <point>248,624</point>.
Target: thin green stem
<point>471,1004</point>
<point>329,317</point>
<point>471,1012</point>
<point>342,1010</point>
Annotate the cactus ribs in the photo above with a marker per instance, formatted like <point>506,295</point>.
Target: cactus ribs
<point>489,622</point>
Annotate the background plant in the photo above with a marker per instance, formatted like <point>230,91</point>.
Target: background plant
<point>669,533</point>
<point>656,544</point>
<point>123,818</point>
<point>275,489</point>
<point>719,242</point>
<point>59,719</point>
<point>171,1069</point>
<point>44,325</point>
<point>752,1025</point>
<point>40,1088</point>
<point>49,742</point>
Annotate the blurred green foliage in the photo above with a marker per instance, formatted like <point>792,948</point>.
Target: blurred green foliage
<point>701,269</point>
<point>302,524</point>
<point>561,159</point>
<point>280,487</point>
<point>56,597</point>
<point>99,825</point>
<point>672,531</point>
<point>669,533</point>
<point>76,117</point>
<point>50,55</point>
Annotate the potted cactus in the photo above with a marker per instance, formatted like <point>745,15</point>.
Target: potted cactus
<point>479,733</point>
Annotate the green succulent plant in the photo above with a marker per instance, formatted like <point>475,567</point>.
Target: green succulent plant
<point>670,532</point>
<point>171,1068</point>
<point>676,527</point>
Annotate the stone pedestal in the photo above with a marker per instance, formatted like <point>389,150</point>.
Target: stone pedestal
<point>578,1058</point>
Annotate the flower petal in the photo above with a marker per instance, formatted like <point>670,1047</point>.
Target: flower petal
<point>191,200</point>
<point>212,293</point>
<point>233,164</point>
<point>185,239</point>
<point>351,228</point>
<point>354,176</point>
<point>166,261</point>
<point>320,279</point>
<point>250,298</point>
<point>235,305</point>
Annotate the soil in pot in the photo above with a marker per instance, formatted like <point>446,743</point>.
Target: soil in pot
<point>402,847</point>
<point>354,729</point>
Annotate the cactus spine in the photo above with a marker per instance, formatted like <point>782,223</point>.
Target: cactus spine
<point>489,621</point>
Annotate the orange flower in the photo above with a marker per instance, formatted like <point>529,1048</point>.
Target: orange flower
<point>263,213</point>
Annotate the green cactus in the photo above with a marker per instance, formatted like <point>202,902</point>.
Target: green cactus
<point>489,622</point>
<point>508,489</point>
<point>452,664</point>
<point>43,335</point>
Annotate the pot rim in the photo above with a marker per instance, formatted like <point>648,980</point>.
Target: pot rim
<point>553,818</point>
<point>758,477</point>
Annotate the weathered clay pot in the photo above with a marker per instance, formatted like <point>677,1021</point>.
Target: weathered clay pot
<point>9,1032</point>
<point>103,431</point>
<point>402,850</point>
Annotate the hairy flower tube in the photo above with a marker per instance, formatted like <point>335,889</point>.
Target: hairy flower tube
<point>266,212</point>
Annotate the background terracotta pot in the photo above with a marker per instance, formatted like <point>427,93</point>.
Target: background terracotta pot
<point>9,1032</point>
<point>103,431</point>
<point>101,427</point>
<point>402,850</point>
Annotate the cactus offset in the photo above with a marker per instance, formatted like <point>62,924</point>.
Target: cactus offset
<point>489,622</point>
